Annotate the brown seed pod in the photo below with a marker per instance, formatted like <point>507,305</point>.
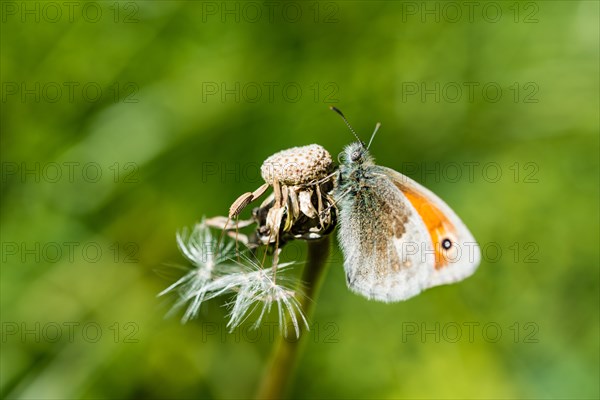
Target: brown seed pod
<point>297,166</point>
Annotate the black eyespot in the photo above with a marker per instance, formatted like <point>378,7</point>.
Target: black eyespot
<point>446,244</point>
<point>355,155</point>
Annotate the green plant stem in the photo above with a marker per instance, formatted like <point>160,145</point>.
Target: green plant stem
<point>278,375</point>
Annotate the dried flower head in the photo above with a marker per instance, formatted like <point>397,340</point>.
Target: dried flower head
<point>300,207</point>
<point>297,166</point>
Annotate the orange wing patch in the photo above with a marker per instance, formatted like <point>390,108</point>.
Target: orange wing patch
<point>439,227</point>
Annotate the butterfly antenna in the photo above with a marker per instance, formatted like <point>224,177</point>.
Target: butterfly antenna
<point>373,135</point>
<point>347,124</point>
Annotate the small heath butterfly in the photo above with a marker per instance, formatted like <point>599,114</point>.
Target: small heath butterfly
<point>397,237</point>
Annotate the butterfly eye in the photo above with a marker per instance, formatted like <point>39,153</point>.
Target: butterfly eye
<point>355,155</point>
<point>446,244</point>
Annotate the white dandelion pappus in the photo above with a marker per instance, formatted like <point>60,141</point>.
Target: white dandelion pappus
<point>217,271</point>
<point>200,248</point>
<point>259,289</point>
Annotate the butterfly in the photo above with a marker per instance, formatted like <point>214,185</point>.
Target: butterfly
<point>397,237</point>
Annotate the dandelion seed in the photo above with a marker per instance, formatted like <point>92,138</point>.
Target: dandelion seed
<point>216,271</point>
<point>257,289</point>
<point>208,261</point>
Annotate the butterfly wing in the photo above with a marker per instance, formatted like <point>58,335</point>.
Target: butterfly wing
<point>389,232</point>
<point>456,253</point>
<point>378,232</point>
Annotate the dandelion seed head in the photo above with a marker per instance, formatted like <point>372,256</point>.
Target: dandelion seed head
<point>298,165</point>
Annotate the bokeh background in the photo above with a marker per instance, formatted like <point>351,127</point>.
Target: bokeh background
<point>123,122</point>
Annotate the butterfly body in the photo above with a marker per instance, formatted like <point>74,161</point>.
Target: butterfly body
<point>397,237</point>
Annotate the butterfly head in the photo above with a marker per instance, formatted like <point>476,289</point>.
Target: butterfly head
<point>356,154</point>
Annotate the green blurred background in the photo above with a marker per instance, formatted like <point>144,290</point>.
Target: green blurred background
<point>176,103</point>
